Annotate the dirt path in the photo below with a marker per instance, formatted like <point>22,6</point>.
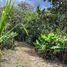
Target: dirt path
<point>25,56</point>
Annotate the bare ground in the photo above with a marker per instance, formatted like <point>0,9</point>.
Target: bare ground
<point>25,56</point>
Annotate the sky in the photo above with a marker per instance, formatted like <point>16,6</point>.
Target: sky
<point>42,4</point>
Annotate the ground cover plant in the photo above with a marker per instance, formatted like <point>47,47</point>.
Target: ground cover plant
<point>51,46</point>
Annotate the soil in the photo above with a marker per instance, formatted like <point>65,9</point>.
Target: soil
<point>25,56</point>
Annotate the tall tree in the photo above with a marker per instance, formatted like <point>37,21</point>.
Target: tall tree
<point>24,6</point>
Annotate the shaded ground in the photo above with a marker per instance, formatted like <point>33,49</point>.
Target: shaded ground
<point>25,56</point>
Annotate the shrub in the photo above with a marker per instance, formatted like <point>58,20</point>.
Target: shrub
<point>35,24</point>
<point>7,40</point>
<point>50,44</point>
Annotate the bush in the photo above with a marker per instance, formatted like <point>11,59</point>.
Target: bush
<point>51,44</point>
<point>6,41</point>
<point>34,25</point>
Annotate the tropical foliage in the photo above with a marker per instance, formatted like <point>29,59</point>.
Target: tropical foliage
<point>22,23</point>
<point>51,44</point>
<point>6,34</point>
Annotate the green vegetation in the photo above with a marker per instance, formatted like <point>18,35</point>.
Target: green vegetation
<point>51,43</point>
<point>5,34</point>
<point>45,30</point>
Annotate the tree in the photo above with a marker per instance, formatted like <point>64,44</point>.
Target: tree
<point>59,10</point>
<point>24,6</point>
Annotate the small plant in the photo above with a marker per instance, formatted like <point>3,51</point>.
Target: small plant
<point>50,44</point>
<point>7,40</point>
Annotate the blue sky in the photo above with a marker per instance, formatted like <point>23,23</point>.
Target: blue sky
<point>42,4</point>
